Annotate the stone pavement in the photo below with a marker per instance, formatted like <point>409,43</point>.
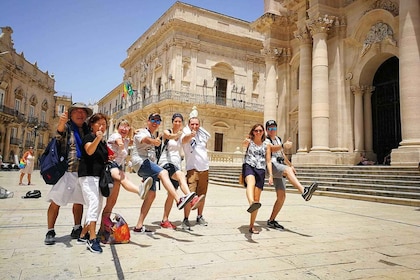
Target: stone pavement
<point>325,238</point>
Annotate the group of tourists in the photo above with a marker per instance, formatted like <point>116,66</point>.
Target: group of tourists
<point>155,159</point>
<point>82,135</point>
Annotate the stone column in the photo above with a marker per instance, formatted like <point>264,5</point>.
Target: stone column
<point>305,90</point>
<point>320,92</point>
<point>270,98</point>
<point>367,108</point>
<point>409,52</point>
<point>358,118</point>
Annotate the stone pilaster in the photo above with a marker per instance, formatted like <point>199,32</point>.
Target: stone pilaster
<point>319,27</point>
<point>358,118</point>
<point>367,120</point>
<point>409,57</point>
<point>305,90</point>
<point>270,97</point>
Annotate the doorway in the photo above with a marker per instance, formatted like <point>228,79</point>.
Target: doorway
<point>386,118</point>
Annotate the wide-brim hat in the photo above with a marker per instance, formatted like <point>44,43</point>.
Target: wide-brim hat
<point>80,105</point>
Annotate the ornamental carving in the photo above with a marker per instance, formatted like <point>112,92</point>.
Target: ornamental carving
<point>320,24</point>
<point>378,33</point>
<point>33,100</point>
<point>44,105</point>
<point>387,5</point>
<point>303,36</point>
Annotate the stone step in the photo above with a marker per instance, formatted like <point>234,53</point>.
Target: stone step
<point>396,185</point>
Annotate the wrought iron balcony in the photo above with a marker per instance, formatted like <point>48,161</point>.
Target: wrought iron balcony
<point>187,97</point>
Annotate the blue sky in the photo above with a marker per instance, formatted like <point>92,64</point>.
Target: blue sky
<point>84,42</point>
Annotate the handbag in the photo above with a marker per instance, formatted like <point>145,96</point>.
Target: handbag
<point>106,182</point>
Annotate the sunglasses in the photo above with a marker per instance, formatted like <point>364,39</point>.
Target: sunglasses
<point>258,130</point>
<point>272,128</point>
<point>155,121</point>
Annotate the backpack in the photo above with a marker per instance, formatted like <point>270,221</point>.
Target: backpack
<point>53,164</point>
<point>115,231</point>
<point>33,194</point>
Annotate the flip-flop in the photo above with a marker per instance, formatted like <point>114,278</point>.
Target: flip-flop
<point>254,206</point>
<point>254,231</point>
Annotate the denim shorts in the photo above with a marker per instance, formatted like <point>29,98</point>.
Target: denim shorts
<point>150,169</point>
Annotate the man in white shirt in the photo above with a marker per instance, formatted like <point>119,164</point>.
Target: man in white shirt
<point>194,143</point>
<point>144,163</point>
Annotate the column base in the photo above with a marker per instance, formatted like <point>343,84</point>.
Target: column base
<point>406,156</point>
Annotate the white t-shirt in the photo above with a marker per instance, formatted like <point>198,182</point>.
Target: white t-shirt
<point>142,151</point>
<point>120,155</point>
<point>171,153</point>
<point>195,151</point>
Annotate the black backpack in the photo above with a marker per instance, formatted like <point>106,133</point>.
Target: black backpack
<point>33,194</point>
<point>52,163</point>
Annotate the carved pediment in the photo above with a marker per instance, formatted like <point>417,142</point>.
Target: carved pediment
<point>33,100</point>
<point>44,105</point>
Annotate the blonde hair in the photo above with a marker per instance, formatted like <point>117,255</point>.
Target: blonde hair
<point>126,123</point>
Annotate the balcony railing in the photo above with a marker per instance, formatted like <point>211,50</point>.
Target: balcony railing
<point>187,97</point>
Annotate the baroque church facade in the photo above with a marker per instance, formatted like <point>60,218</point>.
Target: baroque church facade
<point>340,77</point>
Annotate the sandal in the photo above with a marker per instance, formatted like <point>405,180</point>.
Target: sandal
<point>254,206</point>
<point>254,231</point>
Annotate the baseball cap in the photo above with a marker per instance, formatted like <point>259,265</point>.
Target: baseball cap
<point>155,116</point>
<point>270,123</point>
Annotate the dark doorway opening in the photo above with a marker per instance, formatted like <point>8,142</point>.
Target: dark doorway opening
<point>386,118</point>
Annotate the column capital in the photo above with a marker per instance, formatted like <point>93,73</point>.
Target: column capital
<point>320,24</point>
<point>275,53</point>
<point>303,36</point>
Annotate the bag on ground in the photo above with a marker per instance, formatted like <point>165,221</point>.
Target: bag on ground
<point>106,182</point>
<point>33,194</point>
<point>5,193</point>
<point>52,163</point>
<point>116,230</point>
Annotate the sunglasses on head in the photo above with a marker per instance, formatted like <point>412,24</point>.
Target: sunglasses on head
<point>272,128</point>
<point>155,121</point>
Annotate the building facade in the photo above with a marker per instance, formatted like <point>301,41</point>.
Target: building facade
<point>194,57</point>
<point>339,76</point>
<point>345,74</point>
<point>28,107</point>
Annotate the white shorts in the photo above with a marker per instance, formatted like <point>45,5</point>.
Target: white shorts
<point>92,196</point>
<point>67,190</point>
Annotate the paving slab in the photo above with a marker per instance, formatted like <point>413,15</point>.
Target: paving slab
<point>325,238</point>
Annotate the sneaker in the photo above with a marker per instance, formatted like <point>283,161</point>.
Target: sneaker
<point>195,202</point>
<point>185,199</point>
<point>145,187</point>
<point>254,206</point>
<point>83,240</point>
<point>143,230</point>
<point>274,224</point>
<point>50,238</point>
<point>186,224</point>
<point>167,224</point>
<point>75,233</point>
<point>94,246</point>
<point>308,191</point>
<point>200,221</point>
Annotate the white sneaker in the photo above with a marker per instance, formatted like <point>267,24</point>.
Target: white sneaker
<point>145,187</point>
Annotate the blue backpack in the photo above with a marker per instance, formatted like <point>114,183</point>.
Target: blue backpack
<point>52,163</point>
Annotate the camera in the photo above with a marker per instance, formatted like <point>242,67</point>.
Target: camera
<point>280,160</point>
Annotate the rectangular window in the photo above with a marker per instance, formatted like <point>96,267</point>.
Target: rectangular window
<point>61,109</point>
<point>221,86</point>
<point>17,104</point>
<point>218,142</point>
<point>31,111</point>
<point>43,116</point>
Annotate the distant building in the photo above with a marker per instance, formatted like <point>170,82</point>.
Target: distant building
<point>28,107</point>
